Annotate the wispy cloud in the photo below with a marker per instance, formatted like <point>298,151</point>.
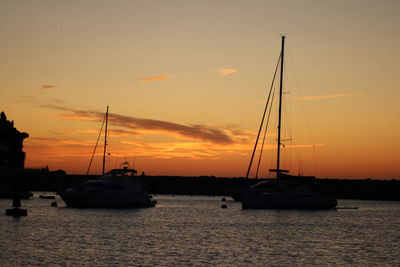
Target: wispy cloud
<point>84,131</point>
<point>225,72</point>
<point>121,132</point>
<point>324,96</point>
<point>69,147</point>
<point>186,150</point>
<point>206,133</point>
<point>75,114</point>
<point>76,117</point>
<point>198,132</point>
<point>156,78</point>
<point>47,87</point>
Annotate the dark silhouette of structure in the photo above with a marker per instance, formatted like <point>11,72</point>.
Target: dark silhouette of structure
<point>12,157</point>
<point>12,160</point>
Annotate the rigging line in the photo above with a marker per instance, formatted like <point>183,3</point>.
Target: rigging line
<point>111,153</point>
<point>315,150</point>
<point>288,130</point>
<point>265,133</point>
<point>97,142</point>
<point>263,117</point>
<point>123,151</point>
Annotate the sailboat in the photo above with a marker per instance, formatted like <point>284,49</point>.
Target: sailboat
<point>286,191</point>
<point>118,188</point>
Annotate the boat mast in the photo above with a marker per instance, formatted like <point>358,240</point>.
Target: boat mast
<point>278,159</point>
<point>105,143</point>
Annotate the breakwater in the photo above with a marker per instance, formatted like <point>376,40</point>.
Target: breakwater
<point>367,189</point>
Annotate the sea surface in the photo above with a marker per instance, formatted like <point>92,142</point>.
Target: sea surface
<point>196,231</point>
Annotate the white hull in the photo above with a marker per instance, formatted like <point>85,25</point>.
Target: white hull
<point>113,192</point>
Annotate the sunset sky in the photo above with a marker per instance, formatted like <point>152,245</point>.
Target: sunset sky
<point>186,83</point>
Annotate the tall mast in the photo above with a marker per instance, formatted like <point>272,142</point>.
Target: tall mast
<point>278,159</point>
<point>105,143</point>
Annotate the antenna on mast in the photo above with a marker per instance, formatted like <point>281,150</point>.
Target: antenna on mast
<point>105,143</point>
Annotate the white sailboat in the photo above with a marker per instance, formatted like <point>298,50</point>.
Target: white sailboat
<point>286,191</point>
<point>118,188</point>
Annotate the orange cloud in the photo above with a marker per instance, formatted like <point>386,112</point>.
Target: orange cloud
<point>197,132</point>
<point>155,78</point>
<point>73,155</point>
<point>121,132</point>
<point>178,149</point>
<point>76,117</point>
<point>84,131</point>
<point>225,72</point>
<point>57,148</point>
<point>47,86</point>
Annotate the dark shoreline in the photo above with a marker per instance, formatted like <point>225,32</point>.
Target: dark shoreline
<point>366,189</point>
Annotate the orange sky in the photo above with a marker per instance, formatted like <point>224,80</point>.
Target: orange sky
<point>186,83</point>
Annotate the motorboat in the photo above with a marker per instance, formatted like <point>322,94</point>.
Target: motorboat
<point>118,188</point>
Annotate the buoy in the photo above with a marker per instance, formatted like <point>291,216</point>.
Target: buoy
<point>16,204</point>
<point>54,204</point>
<point>224,206</point>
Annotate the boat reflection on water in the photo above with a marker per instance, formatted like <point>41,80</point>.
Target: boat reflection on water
<point>119,188</point>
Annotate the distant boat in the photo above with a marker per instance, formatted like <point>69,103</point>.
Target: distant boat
<point>286,191</point>
<point>118,188</point>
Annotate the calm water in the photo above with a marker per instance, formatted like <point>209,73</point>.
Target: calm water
<point>195,231</point>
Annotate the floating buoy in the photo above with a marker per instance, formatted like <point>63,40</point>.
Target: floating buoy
<point>224,206</point>
<point>54,204</point>
<point>16,211</point>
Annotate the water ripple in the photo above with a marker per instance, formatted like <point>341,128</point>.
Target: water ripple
<point>195,231</point>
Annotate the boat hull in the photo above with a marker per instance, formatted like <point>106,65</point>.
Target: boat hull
<point>106,201</point>
<point>287,200</point>
<point>75,199</point>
